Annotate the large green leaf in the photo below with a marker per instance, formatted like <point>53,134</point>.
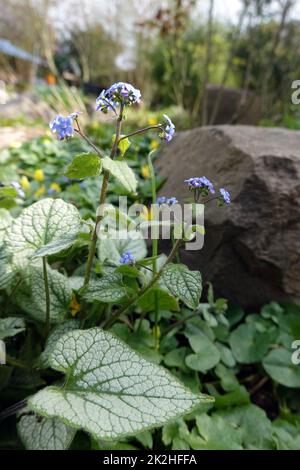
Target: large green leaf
<point>45,222</point>
<point>84,166</point>
<point>122,172</point>
<point>110,391</point>
<point>57,332</point>
<point>38,433</point>
<point>278,364</point>
<point>31,296</point>
<point>107,289</point>
<point>248,344</point>
<point>183,283</point>
<point>11,326</point>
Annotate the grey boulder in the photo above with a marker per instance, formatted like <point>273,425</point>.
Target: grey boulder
<point>251,252</point>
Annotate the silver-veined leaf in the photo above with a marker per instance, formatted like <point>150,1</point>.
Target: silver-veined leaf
<point>111,391</point>
<point>39,433</point>
<point>183,283</point>
<point>45,222</point>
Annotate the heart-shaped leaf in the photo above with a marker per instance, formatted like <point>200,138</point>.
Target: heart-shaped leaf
<point>278,364</point>
<point>110,391</point>
<point>84,166</point>
<point>183,283</point>
<point>248,344</point>
<point>122,172</point>
<point>107,289</point>
<point>45,222</point>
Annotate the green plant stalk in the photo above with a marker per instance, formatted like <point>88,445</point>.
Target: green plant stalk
<point>142,292</point>
<point>11,361</point>
<point>102,198</point>
<point>154,245</point>
<point>47,294</point>
<point>142,131</point>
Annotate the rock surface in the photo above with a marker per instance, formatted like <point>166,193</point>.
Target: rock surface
<point>252,248</point>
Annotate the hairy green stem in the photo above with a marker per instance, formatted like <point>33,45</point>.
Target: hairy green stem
<point>180,322</point>
<point>102,198</point>
<point>11,361</point>
<point>142,292</point>
<point>141,131</point>
<point>47,295</point>
<point>88,140</point>
<point>154,245</point>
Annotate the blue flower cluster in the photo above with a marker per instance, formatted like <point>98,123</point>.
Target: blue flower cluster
<point>118,93</point>
<point>127,258</point>
<point>202,184</point>
<point>169,129</point>
<point>63,126</point>
<point>164,200</point>
<point>225,196</point>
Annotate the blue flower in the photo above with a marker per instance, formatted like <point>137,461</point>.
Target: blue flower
<point>63,126</point>
<point>161,200</point>
<point>225,196</point>
<point>118,93</point>
<point>169,129</point>
<point>172,201</point>
<point>202,184</point>
<point>127,258</point>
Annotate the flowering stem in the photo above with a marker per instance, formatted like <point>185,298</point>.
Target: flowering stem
<point>102,198</point>
<point>88,140</point>
<point>111,321</point>
<point>141,131</point>
<point>47,295</point>
<point>154,244</point>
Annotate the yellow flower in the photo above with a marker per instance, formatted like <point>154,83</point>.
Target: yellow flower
<point>154,144</point>
<point>40,191</point>
<point>39,175</point>
<point>147,214</point>
<point>15,145</point>
<point>152,121</point>
<point>25,182</point>
<point>145,171</point>
<point>74,306</point>
<point>55,187</point>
